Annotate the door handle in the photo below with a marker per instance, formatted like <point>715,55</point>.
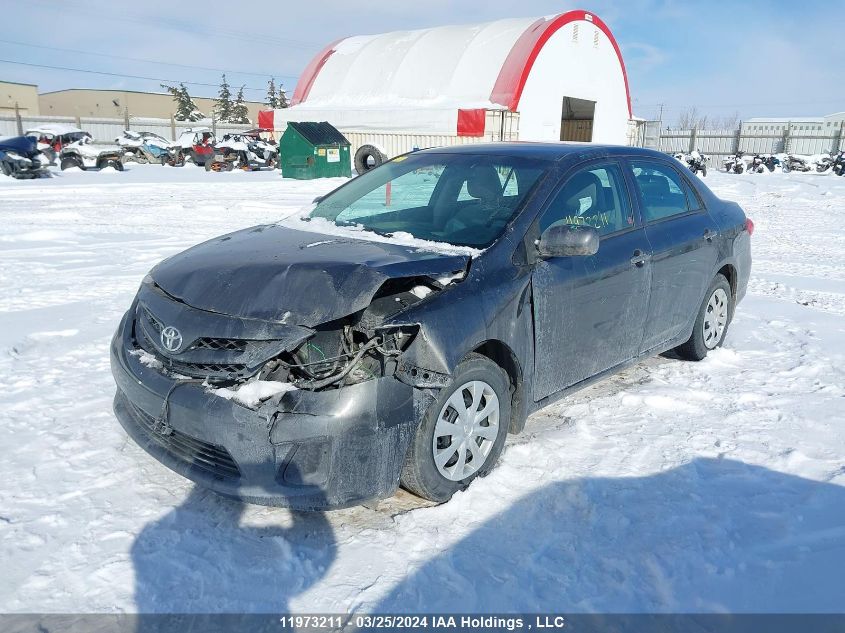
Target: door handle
<point>709,235</point>
<point>639,258</point>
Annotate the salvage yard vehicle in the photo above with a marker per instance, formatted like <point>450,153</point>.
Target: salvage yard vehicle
<point>242,151</point>
<point>84,153</point>
<point>417,315</point>
<point>143,147</point>
<point>194,144</point>
<point>20,158</point>
<point>52,137</point>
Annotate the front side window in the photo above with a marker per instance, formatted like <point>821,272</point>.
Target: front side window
<point>460,199</point>
<point>661,190</point>
<point>595,197</point>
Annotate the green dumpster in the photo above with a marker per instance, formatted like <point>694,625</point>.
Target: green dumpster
<point>314,150</point>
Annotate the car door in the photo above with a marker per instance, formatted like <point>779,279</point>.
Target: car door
<point>589,311</point>
<point>683,241</point>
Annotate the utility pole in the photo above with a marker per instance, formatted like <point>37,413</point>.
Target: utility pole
<point>18,119</point>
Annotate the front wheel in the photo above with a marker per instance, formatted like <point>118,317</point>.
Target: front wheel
<point>711,324</point>
<point>69,161</point>
<point>462,434</point>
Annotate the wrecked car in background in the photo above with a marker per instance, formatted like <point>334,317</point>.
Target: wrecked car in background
<point>20,158</point>
<point>401,329</point>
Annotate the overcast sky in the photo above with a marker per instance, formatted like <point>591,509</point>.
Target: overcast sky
<point>753,58</point>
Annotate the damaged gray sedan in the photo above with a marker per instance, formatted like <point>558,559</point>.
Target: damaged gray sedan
<point>417,315</point>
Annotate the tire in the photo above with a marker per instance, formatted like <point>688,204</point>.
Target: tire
<point>715,311</point>
<point>70,161</point>
<point>368,157</point>
<point>110,162</point>
<point>5,169</point>
<point>420,474</point>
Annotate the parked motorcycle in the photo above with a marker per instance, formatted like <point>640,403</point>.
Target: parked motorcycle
<point>828,162</point>
<point>20,158</point>
<point>761,162</point>
<point>839,163</point>
<point>793,162</point>
<point>243,151</point>
<point>735,164</point>
<point>143,147</point>
<point>697,162</point>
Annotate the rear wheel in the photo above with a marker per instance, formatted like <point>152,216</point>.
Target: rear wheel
<point>462,434</point>
<point>711,324</point>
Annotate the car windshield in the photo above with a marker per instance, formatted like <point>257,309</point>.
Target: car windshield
<point>460,199</point>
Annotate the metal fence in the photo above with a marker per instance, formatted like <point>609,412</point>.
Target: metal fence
<point>721,143</point>
<point>107,129</point>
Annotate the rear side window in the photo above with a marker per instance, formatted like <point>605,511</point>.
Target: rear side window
<point>596,197</point>
<point>662,191</point>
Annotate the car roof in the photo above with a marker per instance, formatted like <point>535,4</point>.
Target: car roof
<point>546,151</point>
<point>57,128</point>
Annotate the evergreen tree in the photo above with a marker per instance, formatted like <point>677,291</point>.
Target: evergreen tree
<point>283,98</point>
<point>272,101</point>
<point>223,104</point>
<point>240,112</point>
<point>190,111</point>
<point>186,109</point>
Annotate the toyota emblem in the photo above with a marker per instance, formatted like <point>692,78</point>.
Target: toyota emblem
<point>171,338</point>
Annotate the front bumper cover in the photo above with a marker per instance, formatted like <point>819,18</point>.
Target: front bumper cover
<point>302,449</point>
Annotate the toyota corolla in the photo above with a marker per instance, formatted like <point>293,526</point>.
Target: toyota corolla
<point>397,332</point>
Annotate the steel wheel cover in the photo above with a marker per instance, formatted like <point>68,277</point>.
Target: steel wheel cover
<point>715,318</point>
<point>466,430</point>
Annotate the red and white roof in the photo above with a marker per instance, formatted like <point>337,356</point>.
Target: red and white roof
<point>427,75</point>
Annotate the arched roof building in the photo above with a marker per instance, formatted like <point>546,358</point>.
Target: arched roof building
<point>563,74</point>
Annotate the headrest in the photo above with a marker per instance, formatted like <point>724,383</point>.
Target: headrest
<point>583,185</point>
<point>483,183</point>
<point>653,185</point>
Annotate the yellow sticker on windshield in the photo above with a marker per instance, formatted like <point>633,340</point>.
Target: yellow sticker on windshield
<point>399,159</point>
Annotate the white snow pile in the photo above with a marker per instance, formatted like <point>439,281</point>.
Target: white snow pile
<point>716,486</point>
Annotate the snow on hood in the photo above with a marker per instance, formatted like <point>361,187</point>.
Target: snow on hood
<point>301,221</point>
<point>296,277</point>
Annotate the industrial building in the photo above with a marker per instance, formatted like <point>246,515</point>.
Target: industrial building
<point>84,102</point>
<point>823,125</point>
<point>540,79</point>
<point>24,96</point>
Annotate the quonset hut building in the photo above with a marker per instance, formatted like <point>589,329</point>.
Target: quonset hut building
<point>537,79</point>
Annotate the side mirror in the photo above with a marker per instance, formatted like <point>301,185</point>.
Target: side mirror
<point>568,240</point>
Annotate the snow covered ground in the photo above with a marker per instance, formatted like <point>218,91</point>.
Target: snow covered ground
<point>700,487</point>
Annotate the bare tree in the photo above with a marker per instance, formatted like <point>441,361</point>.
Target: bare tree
<point>692,118</point>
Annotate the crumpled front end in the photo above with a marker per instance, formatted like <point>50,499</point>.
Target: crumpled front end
<point>270,412</point>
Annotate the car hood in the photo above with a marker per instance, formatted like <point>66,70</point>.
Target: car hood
<point>279,274</point>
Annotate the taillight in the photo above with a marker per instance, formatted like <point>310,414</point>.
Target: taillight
<point>749,226</point>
